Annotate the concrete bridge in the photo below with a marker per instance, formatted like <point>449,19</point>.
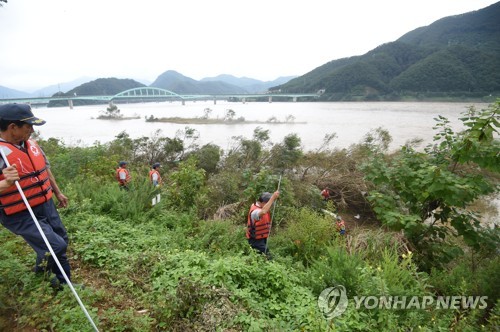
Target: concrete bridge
<point>146,94</point>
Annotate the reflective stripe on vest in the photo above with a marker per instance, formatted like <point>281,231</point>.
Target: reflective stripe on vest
<point>153,171</point>
<point>259,229</point>
<point>34,178</point>
<point>127,175</point>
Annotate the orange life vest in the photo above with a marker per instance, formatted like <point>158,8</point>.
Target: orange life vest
<point>34,178</point>
<point>260,228</point>
<point>325,193</point>
<point>341,227</point>
<point>127,176</point>
<point>153,171</point>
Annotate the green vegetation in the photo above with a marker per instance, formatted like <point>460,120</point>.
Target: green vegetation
<point>184,264</point>
<point>113,113</point>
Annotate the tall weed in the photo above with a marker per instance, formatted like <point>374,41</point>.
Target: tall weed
<point>109,200</point>
<point>337,267</point>
<point>309,233</point>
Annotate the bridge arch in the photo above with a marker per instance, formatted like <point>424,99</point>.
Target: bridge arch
<point>147,92</point>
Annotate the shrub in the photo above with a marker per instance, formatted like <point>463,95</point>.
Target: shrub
<point>310,234</point>
<point>256,288</point>
<point>221,236</point>
<point>186,189</point>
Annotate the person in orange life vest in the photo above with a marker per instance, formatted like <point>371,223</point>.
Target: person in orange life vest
<point>326,194</point>
<point>259,222</point>
<point>29,166</point>
<point>340,225</point>
<point>122,175</point>
<point>154,175</point>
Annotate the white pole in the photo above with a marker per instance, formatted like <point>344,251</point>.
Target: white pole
<point>18,186</point>
<point>272,216</point>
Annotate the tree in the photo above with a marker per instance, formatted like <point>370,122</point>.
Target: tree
<point>189,138</point>
<point>208,157</point>
<point>186,190</point>
<point>230,114</point>
<point>206,113</point>
<point>285,156</point>
<point>428,195</point>
<point>112,112</point>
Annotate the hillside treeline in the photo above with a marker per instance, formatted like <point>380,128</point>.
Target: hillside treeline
<point>414,230</point>
<point>99,87</point>
<point>452,58</point>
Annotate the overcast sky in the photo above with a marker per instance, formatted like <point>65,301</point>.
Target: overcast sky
<point>46,42</point>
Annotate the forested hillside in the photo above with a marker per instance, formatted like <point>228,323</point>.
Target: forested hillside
<point>178,83</point>
<point>455,57</point>
<point>98,87</point>
<point>249,84</point>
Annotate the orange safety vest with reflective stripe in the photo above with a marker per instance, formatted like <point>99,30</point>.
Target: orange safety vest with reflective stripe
<point>325,193</point>
<point>127,176</point>
<point>341,226</point>
<point>34,178</point>
<point>153,171</point>
<point>258,229</point>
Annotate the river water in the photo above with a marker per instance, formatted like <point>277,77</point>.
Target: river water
<point>312,121</point>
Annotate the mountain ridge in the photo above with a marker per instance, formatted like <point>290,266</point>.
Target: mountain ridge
<point>169,80</point>
<point>454,57</point>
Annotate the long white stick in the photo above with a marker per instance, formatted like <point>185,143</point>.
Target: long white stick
<point>18,186</point>
<point>272,216</point>
<point>330,213</point>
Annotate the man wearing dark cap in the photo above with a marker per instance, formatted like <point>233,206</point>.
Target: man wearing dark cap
<point>259,222</point>
<point>122,175</point>
<point>29,166</point>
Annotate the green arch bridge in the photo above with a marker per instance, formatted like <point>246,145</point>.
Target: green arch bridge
<point>146,94</point>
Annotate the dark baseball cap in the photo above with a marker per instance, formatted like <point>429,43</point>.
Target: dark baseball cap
<point>122,163</point>
<point>19,112</point>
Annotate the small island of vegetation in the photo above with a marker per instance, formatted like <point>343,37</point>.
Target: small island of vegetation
<point>113,113</point>
<point>229,118</point>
